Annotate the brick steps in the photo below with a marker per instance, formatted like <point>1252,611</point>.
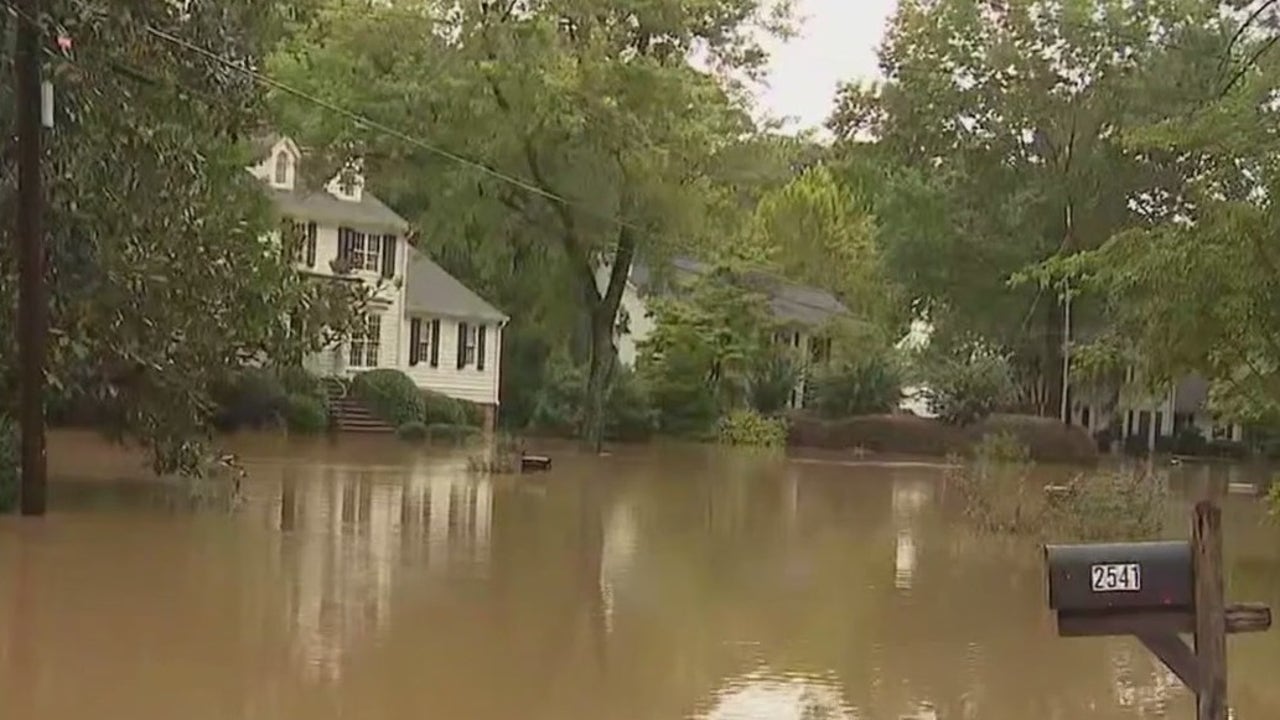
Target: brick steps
<point>349,415</point>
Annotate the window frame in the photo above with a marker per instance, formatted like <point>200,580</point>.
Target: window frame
<point>364,344</point>
<point>280,169</point>
<point>470,346</point>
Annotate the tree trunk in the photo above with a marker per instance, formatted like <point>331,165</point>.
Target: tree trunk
<point>599,377</point>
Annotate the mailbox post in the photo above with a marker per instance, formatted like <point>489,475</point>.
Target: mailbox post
<point>1156,592</point>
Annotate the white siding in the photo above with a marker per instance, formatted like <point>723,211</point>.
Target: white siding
<point>390,302</point>
<point>468,383</point>
<point>639,326</point>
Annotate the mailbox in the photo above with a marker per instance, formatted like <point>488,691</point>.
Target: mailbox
<point>1120,578</point>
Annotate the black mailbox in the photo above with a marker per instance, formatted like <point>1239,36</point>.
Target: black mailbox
<point>1120,577</point>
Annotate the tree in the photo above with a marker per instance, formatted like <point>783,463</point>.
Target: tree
<point>162,273</point>
<point>1198,289</point>
<point>1005,124</point>
<point>819,231</point>
<point>589,110</point>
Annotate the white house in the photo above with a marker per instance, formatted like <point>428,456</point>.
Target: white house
<point>1133,412</point>
<point>802,313</point>
<point>421,320</point>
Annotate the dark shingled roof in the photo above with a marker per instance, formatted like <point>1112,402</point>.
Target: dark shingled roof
<point>790,302</point>
<point>433,291</point>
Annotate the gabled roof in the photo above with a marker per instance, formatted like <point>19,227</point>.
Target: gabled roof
<point>368,214</point>
<point>432,291</point>
<point>790,302</point>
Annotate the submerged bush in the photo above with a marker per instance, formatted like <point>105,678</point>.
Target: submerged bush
<point>8,465</point>
<point>452,433</point>
<point>390,395</point>
<point>413,431</point>
<point>252,397</point>
<point>305,414</point>
<point>870,385</point>
<point>439,408</point>
<point>1000,496</point>
<point>962,391</point>
<point>748,427</point>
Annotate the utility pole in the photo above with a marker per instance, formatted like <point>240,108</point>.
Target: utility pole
<point>32,300</point>
<point>1066,327</point>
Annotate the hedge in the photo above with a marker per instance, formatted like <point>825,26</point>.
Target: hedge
<point>8,465</point>
<point>391,396</point>
<point>305,414</point>
<point>1047,439</point>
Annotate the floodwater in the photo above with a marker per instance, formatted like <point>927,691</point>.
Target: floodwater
<point>371,580</point>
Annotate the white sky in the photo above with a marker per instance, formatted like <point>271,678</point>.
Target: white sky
<point>837,41</point>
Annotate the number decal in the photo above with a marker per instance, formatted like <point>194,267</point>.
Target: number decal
<point>1115,577</point>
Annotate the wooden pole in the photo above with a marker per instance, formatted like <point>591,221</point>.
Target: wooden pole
<point>32,303</point>
<point>1211,617</point>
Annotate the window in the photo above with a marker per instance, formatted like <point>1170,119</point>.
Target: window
<point>468,339</point>
<point>363,251</point>
<point>424,342</point>
<point>347,184</point>
<point>363,352</point>
<point>282,168</point>
<point>469,350</point>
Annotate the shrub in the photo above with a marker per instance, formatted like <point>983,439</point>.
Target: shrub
<point>452,433</point>
<point>472,413</point>
<point>413,430</point>
<point>298,381</point>
<point>8,465</point>
<point>962,391</point>
<point>685,401</point>
<point>390,395</point>
<point>748,427</point>
<point>1001,496</point>
<point>771,382</point>
<point>305,414</point>
<point>629,415</point>
<point>868,385</point>
<point>557,409</point>
<point>442,409</point>
<point>252,397</point>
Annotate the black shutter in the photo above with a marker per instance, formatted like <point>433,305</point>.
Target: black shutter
<point>311,244</point>
<point>462,345</point>
<point>415,338</point>
<point>344,243</point>
<point>480,347</point>
<point>389,256</point>
<point>435,343</point>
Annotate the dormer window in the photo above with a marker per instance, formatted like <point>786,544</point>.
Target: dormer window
<point>347,184</point>
<point>282,172</point>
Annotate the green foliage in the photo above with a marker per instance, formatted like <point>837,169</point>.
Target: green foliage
<point>412,431</point>
<point>820,231</point>
<point>558,407</point>
<point>442,409</point>
<point>866,384</point>
<point>444,432</point>
<point>9,465</point>
<point>629,414</point>
<point>1001,495</point>
<point>706,342</point>
<point>773,377</point>
<point>1004,130</point>
<point>390,395</point>
<point>595,101</point>
<point>251,397</point>
<point>166,278</point>
<point>305,414</point>
<point>748,427</point>
<point>298,381</point>
<point>967,386</point>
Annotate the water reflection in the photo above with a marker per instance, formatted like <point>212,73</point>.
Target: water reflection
<point>376,581</point>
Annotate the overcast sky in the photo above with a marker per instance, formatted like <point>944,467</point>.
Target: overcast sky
<point>837,41</point>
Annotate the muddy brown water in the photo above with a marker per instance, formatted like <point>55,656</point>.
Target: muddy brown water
<point>369,579</point>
